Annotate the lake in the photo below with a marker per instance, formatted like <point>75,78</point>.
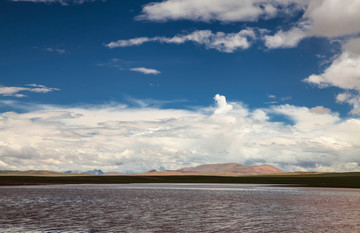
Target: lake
<point>178,208</point>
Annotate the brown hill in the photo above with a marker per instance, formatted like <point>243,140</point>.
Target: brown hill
<point>222,169</point>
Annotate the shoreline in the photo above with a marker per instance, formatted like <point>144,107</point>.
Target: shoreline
<point>329,180</point>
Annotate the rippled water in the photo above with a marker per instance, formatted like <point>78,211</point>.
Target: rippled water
<point>178,208</point>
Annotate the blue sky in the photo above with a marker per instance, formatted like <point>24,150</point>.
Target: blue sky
<point>135,85</point>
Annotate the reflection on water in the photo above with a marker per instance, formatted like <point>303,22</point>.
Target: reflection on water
<point>178,208</point>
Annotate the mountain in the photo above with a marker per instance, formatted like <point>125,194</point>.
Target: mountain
<point>91,172</point>
<point>224,169</point>
<point>95,172</point>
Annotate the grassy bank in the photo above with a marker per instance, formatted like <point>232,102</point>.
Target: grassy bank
<point>338,180</point>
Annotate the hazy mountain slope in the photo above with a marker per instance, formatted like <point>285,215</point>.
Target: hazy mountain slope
<point>221,169</point>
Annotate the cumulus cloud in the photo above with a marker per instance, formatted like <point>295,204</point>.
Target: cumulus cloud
<point>219,10</point>
<point>322,18</point>
<point>336,18</point>
<point>62,2</point>
<point>116,137</point>
<point>222,106</point>
<point>223,42</point>
<point>320,110</point>
<point>15,91</point>
<point>352,99</point>
<point>145,70</point>
<point>285,39</point>
<point>333,18</point>
<point>352,46</point>
<point>344,73</point>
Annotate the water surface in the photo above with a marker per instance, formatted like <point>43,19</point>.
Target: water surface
<point>178,208</point>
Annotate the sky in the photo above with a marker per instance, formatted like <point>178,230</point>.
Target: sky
<point>131,86</point>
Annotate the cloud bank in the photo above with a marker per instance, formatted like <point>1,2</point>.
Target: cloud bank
<point>120,138</point>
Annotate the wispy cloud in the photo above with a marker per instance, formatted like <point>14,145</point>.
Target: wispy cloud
<point>223,42</point>
<point>17,91</point>
<point>123,65</point>
<point>56,50</point>
<point>145,70</point>
<point>273,99</point>
<point>285,98</point>
<point>62,2</point>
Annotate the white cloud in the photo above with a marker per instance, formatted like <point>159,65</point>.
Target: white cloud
<point>344,73</point>
<point>308,119</point>
<point>352,99</point>
<point>287,39</point>
<point>116,137</point>
<point>14,91</point>
<point>222,106</point>
<point>62,2</point>
<point>333,18</point>
<point>320,110</point>
<point>145,70</point>
<point>223,42</point>
<point>322,18</point>
<point>220,10</point>
<point>59,51</point>
<point>352,46</point>
<point>130,42</point>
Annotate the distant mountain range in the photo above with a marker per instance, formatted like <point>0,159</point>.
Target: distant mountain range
<point>36,173</point>
<point>96,172</point>
<point>222,169</point>
<point>52,173</point>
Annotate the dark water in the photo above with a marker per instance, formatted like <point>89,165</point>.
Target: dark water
<point>178,208</point>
